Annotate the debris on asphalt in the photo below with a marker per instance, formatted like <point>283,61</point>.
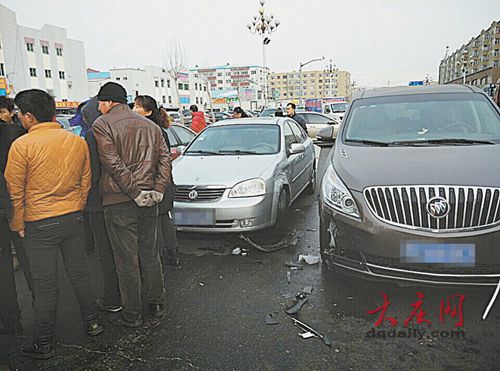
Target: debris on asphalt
<point>290,239</point>
<point>310,259</point>
<point>311,230</point>
<point>289,277</point>
<point>244,253</point>
<point>293,265</point>
<point>309,330</point>
<point>236,251</point>
<point>270,320</point>
<point>350,298</point>
<point>201,284</point>
<point>300,300</point>
<point>307,290</point>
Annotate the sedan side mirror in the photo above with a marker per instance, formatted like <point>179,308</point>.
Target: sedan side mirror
<point>181,149</point>
<point>326,134</point>
<point>297,148</point>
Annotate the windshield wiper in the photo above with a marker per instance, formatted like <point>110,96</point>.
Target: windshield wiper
<point>443,141</point>
<point>239,152</point>
<point>201,152</point>
<point>368,142</point>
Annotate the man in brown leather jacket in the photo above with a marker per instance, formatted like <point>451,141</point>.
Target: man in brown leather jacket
<point>136,170</point>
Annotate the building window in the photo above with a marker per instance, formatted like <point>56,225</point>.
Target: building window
<point>204,88</point>
<point>45,49</point>
<point>197,100</point>
<point>117,79</point>
<point>180,86</point>
<point>33,72</point>
<point>219,81</point>
<point>169,99</point>
<point>162,83</point>
<point>59,52</point>
<point>168,83</point>
<point>29,47</point>
<point>48,74</point>
<point>186,86</point>
<point>219,74</point>
<point>195,86</point>
<point>157,84</point>
<point>164,99</point>
<point>2,72</point>
<point>61,75</point>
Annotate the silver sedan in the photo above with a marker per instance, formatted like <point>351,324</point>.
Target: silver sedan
<point>242,175</point>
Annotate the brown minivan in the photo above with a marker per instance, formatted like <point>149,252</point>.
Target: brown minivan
<point>412,187</point>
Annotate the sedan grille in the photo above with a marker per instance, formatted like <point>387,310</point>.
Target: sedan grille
<point>469,208</point>
<point>186,194</point>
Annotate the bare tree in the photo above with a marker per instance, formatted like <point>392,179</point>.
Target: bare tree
<point>175,63</point>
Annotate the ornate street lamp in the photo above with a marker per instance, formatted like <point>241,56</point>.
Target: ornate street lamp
<point>263,25</point>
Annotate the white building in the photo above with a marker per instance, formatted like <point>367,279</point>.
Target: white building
<point>44,59</point>
<point>236,85</point>
<point>156,82</point>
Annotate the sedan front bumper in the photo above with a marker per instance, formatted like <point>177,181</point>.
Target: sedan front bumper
<point>229,214</point>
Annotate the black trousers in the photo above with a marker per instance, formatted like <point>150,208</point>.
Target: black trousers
<point>169,249</point>
<point>43,241</point>
<point>9,311</point>
<point>133,233</point>
<point>97,225</point>
<point>23,259</point>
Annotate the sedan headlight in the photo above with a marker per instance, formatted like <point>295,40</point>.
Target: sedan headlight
<point>336,194</point>
<point>249,188</point>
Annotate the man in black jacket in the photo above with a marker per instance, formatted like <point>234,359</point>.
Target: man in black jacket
<point>290,111</point>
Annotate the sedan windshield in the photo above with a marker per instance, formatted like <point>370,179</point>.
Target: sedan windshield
<point>423,119</point>
<point>339,107</point>
<point>242,139</point>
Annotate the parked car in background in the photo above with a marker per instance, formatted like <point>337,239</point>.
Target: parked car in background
<point>64,121</point>
<point>175,116</point>
<point>179,136</point>
<point>271,162</point>
<point>317,121</point>
<point>270,112</point>
<point>221,116</point>
<point>412,187</point>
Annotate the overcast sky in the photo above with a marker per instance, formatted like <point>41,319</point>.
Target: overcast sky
<point>380,42</point>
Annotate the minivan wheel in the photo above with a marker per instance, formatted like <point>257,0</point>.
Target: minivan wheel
<point>282,209</point>
<point>311,187</point>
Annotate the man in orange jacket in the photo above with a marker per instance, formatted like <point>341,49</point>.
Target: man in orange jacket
<point>48,179</point>
<point>198,123</point>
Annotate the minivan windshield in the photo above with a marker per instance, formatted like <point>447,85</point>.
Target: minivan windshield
<point>239,139</point>
<point>338,107</point>
<point>431,119</point>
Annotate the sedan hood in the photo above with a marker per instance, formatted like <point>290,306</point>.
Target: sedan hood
<point>220,170</point>
<point>363,166</point>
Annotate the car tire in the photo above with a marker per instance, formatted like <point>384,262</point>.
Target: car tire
<point>283,209</point>
<point>311,187</point>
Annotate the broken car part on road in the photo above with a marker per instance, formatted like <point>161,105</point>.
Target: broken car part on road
<point>310,331</point>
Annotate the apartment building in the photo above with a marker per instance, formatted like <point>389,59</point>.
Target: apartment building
<point>156,82</point>
<point>479,59</point>
<point>289,86</point>
<point>40,58</point>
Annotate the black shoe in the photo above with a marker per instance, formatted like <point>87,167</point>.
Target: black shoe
<point>109,308</point>
<point>94,328</point>
<point>38,351</point>
<point>157,310</point>
<point>119,321</point>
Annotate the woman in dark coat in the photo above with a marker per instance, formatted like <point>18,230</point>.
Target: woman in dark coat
<point>146,105</point>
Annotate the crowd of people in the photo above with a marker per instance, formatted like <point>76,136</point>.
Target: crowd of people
<point>58,191</point>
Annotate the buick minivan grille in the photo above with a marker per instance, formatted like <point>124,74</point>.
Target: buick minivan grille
<point>182,193</point>
<point>407,206</point>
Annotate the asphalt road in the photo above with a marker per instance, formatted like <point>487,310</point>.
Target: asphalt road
<point>217,304</point>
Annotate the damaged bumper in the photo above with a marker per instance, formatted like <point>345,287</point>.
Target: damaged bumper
<point>375,249</point>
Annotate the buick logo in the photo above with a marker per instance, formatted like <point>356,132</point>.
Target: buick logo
<point>438,207</point>
<point>193,195</point>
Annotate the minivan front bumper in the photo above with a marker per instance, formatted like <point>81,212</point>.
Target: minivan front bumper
<point>374,249</point>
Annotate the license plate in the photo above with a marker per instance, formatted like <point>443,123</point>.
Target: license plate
<point>194,217</point>
<point>455,254</point>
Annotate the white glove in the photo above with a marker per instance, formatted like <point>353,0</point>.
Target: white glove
<point>156,196</point>
<point>144,199</point>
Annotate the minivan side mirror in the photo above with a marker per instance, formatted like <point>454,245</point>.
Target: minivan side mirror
<point>326,134</point>
<point>297,148</point>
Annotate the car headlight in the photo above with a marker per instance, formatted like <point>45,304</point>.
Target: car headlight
<point>336,194</point>
<point>249,188</point>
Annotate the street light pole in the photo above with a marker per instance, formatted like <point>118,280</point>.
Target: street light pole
<point>300,75</point>
<point>263,25</point>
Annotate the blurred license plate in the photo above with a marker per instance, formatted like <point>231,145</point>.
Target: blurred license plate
<point>458,254</point>
<point>194,217</point>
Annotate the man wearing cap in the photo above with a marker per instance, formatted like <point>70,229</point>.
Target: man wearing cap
<point>136,170</point>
